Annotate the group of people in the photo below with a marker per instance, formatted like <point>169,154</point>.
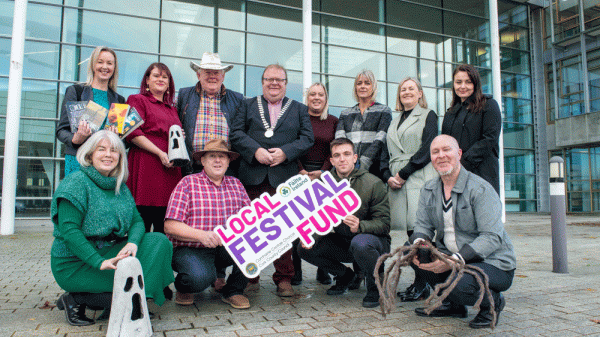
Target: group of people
<point>438,188</point>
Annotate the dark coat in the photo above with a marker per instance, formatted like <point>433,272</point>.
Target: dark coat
<point>188,103</point>
<point>293,134</point>
<point>77,92</point>
<point>477,135</point>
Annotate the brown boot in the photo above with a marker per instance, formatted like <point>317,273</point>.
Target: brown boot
<point>284,289</point>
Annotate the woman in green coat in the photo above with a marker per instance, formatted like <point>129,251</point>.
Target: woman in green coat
<point>96,224</point>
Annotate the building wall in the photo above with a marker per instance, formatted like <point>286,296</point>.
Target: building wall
<point>393,38</point>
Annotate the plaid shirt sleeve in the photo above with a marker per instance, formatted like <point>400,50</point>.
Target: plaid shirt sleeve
<point>179,201</point>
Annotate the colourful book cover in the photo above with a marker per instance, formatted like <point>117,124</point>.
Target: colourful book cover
<point>74,111</point>
<point>132,122</point>
<point>95,115</point>
<point>116,116</point>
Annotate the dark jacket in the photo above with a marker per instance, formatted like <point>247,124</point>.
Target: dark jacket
<point>188,103</point>
<point>63,129</point>
<point>293,134</point>
<point>477,213</point>
<point>477,135</point>
<point>374,211</point>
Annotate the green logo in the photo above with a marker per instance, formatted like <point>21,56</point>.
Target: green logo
<point>285,191</point>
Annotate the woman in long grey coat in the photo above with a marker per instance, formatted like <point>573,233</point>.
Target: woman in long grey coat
<point>406,161</point>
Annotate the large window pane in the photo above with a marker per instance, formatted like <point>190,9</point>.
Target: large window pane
<point>148,8</point>
<point>518,135</point>
<point>344,32</point>
<point>594,79</point>
<point>518,86</point>
<point>466,26</point>
<point>185,40</point>
<point>115,31</point>
<point>470,52</point>
<point>288,52</point>
<point>519,186</point>
<point>519,161</point>
<point>43,22</point>
<point>40,60</point>
<point>232,46</point>
<point>566,19</point>
<point>349,62</point>
<point>366,10</point>
<point>475,7</point>
<point>340,90</point>
<point>514,36</point>
<point>517,110</point>
<point>401,41</point>
<point>514,61</point>
<point>399,67</point>
<point>579,202</point>
<point>577,165</point>
<point>415,16</point>
<point>38,99</point>
<point>273,20</point>
<point>428,73</point>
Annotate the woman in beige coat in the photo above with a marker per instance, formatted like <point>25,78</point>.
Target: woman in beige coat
<point>406,162</point>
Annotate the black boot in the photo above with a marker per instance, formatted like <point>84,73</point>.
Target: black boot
<point>75,313</point>
<point>341,283</point>
<point>447,309</point>
<point>484,317</point>
<point>323,277</point>
<point>297,262</point>
<point>415,293</point>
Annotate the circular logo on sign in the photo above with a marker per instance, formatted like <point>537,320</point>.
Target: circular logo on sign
<point>251,268</point>
<point>285,191</point>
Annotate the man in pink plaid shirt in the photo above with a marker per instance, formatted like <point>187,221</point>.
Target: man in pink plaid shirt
<point>199,203</point>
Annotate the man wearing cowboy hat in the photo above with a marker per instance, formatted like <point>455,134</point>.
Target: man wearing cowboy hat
<point>199,203</point>
<point>271,132</point>
<point>206,109</point>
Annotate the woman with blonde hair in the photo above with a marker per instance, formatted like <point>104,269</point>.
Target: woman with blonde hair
<point>96,224</point>
<point>100,87</point>
<point>316,160</point>
<point>406,163</point>
<point>366,123</point>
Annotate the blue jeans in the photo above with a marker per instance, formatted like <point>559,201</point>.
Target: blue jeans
<point>330,251</point>
<point>197,269</point>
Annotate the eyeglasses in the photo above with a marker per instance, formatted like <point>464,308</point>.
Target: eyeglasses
<point>275,80</point>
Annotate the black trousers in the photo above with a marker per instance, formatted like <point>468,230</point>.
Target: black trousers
<point>333,249</point>
<point>466,291</point>
<point>153,215</point>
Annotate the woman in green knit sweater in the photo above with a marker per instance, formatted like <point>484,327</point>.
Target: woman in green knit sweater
<point>96,224</point>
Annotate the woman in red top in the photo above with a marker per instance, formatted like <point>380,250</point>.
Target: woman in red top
<point>152,177</point>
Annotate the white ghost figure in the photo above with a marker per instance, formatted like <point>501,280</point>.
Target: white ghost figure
<point>178,154</point>
<point>129,311</point>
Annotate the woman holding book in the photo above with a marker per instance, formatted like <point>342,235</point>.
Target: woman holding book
<point>96,224</point>
<point>100,87</point>
<point>152,177</point>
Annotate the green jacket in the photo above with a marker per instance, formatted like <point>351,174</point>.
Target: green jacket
<point>374,211</point>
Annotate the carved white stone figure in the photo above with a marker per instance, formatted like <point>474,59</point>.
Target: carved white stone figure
<point>129,310</point>
<point>178,154</point>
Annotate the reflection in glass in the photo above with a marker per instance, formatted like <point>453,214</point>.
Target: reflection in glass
<point>427,73</point>
<point>349,62</point>
<point>288,52</point>
<point>517,110</point>
<point>232,46</point>
<point>516,86</point>
<point>148,8</point>
<point>100,29</point>
<point>43,22</point>
<point>475,7</point>
<point>38,99</point>
<point>274,20</point>
<point>578,202</point>
<point>409,15</point>
<point>514,36</point>
<point>344,32</point>
<point>518,187</point>
<point>512,13</point>
<point>514,61</point>
<point>518,135</point>
<point>366,10</point>
<point>519,161</point>
<point>400,41</point>
<point>40,60</point>
<point>466,26</point>
<point>184,40</point>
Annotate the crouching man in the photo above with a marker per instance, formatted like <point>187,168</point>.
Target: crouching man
<point>199,203</point>
<point>465,211</point>
<point>362,236</point>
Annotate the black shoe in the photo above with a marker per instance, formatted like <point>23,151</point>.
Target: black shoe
<point>355,283</point>
<point>371,300</point>
<point>447,309</point>
<point>323,277</point>
<point>484,317</point>
<point>75,313</point>
<point>414,293</point>
<point>341,283</point>
<point>168,293</point>
<point>297,279</point>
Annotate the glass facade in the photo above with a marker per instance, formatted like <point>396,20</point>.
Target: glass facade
<point>572,72</point>
<point>393,38</point>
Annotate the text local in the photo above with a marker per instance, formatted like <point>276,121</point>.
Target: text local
<point>318,209</point>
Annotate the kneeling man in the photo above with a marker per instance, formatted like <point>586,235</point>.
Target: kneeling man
<point>199,203</point>
<point>362,236</point>
<point>465,211</point>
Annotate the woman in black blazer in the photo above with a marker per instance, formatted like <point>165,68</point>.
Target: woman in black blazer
<point>474,120</point>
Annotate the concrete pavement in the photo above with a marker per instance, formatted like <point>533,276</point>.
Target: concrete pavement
<point>539,303</point>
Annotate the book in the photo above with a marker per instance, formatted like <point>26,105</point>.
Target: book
<point>74,111</point>
<point>94,114</point>
<point>131,122</point>
<point>116,116</point>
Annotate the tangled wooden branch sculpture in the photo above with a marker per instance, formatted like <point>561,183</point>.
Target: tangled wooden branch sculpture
<point>404,256</point>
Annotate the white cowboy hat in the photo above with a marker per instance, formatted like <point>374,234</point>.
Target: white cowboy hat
<point>210,61</point>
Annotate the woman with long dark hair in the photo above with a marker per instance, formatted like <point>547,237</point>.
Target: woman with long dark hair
<point>152,176</point>
<point>474,120</point>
